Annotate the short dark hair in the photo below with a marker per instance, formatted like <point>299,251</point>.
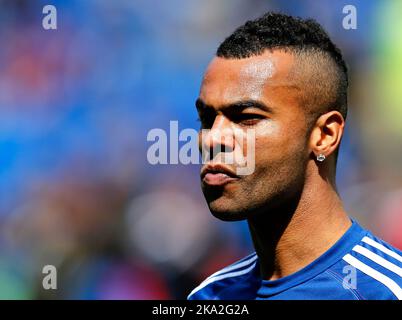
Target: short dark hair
<point>306,36</point>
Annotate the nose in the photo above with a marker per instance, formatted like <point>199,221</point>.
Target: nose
<point>220,138</point>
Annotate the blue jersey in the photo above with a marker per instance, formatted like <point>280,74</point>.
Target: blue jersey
<point>359,266</point>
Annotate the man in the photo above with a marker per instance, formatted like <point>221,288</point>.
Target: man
<point>283,77</point>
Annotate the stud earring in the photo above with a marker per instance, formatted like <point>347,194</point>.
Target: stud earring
<point>321,157</point>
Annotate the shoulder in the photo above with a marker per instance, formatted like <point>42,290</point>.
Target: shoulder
<point>220,280</point>
<point>377,267</point>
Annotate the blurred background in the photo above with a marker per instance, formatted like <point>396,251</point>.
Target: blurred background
<point>76,104</point>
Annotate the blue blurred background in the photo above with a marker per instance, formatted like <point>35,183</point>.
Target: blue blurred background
<point>76,104</point>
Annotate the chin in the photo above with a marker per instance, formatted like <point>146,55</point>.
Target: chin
<point>227,210</point>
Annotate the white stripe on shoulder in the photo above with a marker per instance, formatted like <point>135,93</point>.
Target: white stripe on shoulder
<point>389,283</point>
<point>221,277</point>
<point>237,265</point>
<point>378,259</point>
<point>384,249</point>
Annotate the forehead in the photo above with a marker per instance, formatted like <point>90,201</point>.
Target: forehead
<point>257,77</point>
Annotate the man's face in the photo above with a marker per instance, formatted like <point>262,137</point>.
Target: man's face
<point>252,93</point>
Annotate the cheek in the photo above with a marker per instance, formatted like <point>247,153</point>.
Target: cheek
<point>276,144</point>
<point>269,140</point>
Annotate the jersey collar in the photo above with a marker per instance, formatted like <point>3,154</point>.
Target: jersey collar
<point>352,236</point>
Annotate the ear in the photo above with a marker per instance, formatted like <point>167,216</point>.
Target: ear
<point>327,133</point>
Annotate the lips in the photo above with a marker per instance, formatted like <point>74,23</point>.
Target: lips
<point>217,175</point>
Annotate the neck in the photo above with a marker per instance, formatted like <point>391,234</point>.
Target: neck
<point>290,237</point>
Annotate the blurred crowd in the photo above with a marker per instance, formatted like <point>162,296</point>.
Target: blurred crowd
<point>76,104</point>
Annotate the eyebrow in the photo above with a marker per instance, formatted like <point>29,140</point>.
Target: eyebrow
<point>238,106</point>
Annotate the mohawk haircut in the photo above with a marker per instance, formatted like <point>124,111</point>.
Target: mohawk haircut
<point>309,42</point>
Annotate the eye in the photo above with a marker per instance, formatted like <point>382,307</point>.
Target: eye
<point>247,119</point>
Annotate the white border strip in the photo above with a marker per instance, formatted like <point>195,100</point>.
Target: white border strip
<point>221,277</point>
<point>389,283</point>
<point>378,259</point>
<point>384,249</point>
<point>236,265</point>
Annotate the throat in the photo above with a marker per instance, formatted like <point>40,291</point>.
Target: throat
<point>287,241</point>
